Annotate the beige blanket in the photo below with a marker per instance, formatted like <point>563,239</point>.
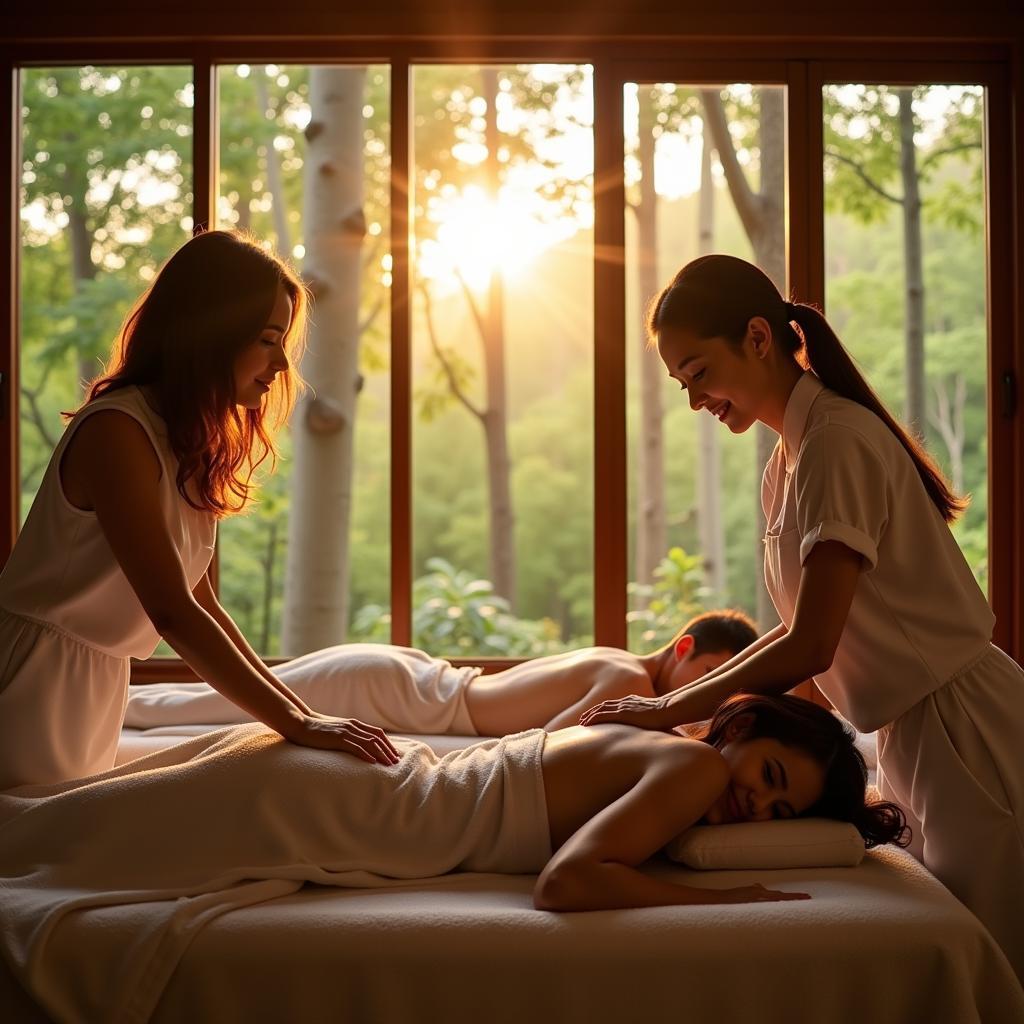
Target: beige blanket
<point>231,819</point>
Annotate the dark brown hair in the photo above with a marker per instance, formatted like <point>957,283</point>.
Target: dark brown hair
<point>816,731</point>
<point>716,296</point>
<point>210,300</point>
<point>722,630</point>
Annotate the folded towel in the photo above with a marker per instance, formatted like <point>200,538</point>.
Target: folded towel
<point>235,817</point>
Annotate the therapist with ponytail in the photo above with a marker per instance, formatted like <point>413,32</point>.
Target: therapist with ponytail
<point>876,600</point>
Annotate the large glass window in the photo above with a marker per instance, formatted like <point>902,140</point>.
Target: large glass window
<point>105,199</point>
<point>500,312</point>
<point>705,172</point>
<point>905,268</point>
<point>502,359</point>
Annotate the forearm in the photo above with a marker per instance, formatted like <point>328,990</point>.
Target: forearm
<point>211,653</point>
<point>614,886</point>
<point>777,667</point>
<point>758,645</point>
<point>236,636</point>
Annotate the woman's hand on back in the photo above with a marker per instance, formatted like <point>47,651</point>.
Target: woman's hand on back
<point>643,712</point>
<point>367,742</point>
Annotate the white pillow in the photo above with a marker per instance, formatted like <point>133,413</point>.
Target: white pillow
<point>796,843</point>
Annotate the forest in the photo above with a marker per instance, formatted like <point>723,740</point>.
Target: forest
<point>502,315</point>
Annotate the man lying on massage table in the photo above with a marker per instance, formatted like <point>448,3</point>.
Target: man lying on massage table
<point>404,690</point>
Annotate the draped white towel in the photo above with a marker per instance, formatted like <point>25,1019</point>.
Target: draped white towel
<point>233,818</point>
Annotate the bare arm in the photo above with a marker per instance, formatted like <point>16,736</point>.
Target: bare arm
<point>121,474</point>
<point>827,584</point>
<point>736,660</point>
<point>206,598</point>
<point>596,869</point>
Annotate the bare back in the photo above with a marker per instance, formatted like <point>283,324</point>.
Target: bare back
<point>553,692</point>
<point>588,769</point>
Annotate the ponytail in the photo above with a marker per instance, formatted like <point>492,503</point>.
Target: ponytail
<point>824,354</point>
<point>717,296</point>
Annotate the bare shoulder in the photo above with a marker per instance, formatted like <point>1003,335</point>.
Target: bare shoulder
<point>112,434</point>
<point>108,446</point>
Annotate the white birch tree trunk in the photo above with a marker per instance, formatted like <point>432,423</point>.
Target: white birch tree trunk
<point>316,583</point>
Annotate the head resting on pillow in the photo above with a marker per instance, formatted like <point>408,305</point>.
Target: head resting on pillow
<point>780,744</point>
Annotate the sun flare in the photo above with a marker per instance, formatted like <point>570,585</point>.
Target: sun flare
<point>476,235</point>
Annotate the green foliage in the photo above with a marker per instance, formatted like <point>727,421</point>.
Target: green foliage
<point>105,194</point>
<point>458,614</point>
<point>676,595</point>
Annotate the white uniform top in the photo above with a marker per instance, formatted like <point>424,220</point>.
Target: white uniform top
<point>918,617</point>
<point>70,620</point>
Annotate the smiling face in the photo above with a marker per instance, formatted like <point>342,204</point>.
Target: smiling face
<point>727,379</point>
<point>264,358</point>
<point>768,779</point>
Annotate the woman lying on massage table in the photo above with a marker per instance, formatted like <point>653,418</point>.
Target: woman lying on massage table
<point>584,807</point>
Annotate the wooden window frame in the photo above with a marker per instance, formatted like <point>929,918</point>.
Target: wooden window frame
<point>802,65</point>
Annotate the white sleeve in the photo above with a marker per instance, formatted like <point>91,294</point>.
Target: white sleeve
<point>842,492</point>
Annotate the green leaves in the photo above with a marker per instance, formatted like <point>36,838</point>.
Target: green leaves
<point>677,594</point>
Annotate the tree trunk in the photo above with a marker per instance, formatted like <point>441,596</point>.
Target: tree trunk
<point>274,183</point>
<point>82,267</point>
<point>914,409</point>
<point>495,420</point>
<point>770,256</point>
<point>762,214</point>
<point>316,584</point>
<point>651,534</point>
<point>948,420</point>
<point>709,486</point>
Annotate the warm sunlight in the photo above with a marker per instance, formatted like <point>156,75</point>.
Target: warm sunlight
<point>477,235</point>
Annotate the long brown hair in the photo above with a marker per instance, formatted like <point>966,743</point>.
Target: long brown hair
<point>716,296</point>
<point>805,726</point>
<point>209,301</point>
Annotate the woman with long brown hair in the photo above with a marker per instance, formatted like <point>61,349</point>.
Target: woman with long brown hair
<point>876,600</point>
<point>115,551</point>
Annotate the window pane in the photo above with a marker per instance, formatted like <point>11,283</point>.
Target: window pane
<point>105,198</point>
<point>305,166</point>
<point>905,268</point>
<point>503,364</point>
<point>695,524</point>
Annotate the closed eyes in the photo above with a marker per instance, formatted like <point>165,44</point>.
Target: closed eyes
<point>695,376</point>
<point>780,809</point>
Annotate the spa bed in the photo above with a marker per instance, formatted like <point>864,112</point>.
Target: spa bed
<point>882,942</point>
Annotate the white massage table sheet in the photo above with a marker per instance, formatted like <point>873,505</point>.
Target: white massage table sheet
<point>883,942</point>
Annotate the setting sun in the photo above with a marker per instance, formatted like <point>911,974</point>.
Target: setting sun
<point>477,235</point>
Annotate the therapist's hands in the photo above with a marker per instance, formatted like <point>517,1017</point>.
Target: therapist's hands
<point>643,712</point>
<point>367,742</point>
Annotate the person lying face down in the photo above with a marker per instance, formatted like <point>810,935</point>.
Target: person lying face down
<point>583,808</point>
<point>759,758</point>
<point>405,690</point>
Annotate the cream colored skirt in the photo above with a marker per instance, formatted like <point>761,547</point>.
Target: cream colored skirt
<point>955,763</point>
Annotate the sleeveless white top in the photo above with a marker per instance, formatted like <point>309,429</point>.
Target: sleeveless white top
<point>69,618</point>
